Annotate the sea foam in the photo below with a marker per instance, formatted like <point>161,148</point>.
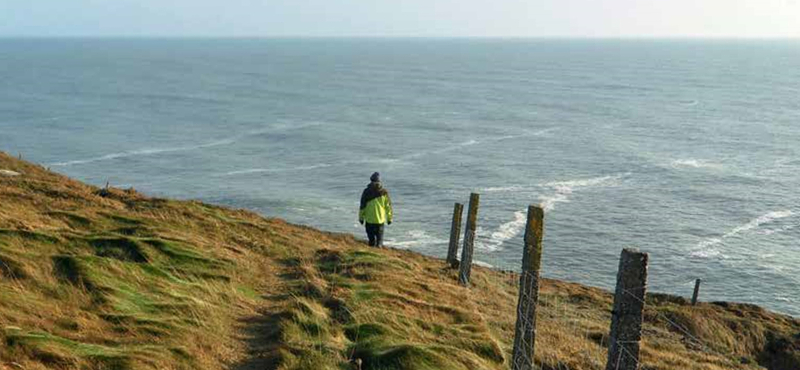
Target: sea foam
<point>142,152</point>
<point>405,158</point>
<point>271,170</point>
<point>563,189</point>
<point>154,151</point>
<point>708,248</point>
<point>498,189</point>
<point>506,231</point>
<point>693,163</point>
<point>441,150</point>
<point>416,239</point>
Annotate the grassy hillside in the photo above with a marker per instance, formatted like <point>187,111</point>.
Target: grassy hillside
<point>94,279</point>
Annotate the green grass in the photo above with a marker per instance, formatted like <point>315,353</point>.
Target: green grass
<point>58,352</point>
<point>124,281</point>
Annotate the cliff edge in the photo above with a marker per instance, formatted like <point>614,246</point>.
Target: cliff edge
<point>96,278</point>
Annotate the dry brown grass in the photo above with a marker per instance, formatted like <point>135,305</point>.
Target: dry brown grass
<point>118,280</point>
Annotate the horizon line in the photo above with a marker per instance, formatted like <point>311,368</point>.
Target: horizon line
<point>467,37</point>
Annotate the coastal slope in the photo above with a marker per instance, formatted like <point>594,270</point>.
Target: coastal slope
<point>95,278</point>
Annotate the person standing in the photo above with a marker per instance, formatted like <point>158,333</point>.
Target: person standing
<point>376,210</point>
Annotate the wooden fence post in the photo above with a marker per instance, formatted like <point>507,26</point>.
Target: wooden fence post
<point>455,233</point>
<point>626,317</point>
<point>469,240</point>
<point>525,333</point>
<point>696,291</point>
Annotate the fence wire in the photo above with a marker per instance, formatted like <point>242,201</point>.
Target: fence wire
<point>568,337</point>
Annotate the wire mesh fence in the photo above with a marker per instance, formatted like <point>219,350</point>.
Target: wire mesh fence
<point>567,335</point>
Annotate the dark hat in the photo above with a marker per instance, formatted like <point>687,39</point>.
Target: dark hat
<point>376,177</point>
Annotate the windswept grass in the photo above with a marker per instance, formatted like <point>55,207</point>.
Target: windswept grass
<point>93,279</point>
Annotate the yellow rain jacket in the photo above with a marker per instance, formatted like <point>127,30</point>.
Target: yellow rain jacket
<point>376,207</point>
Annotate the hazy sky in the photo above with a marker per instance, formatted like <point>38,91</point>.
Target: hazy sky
<point>628,18</point>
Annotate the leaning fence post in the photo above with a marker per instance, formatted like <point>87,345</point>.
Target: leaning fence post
<point>626,317</point>
<point>469,240</point>
<point>455,233</point>
<point>696,291</point>
<point>525,333</point>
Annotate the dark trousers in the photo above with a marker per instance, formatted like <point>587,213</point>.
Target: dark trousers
<point>375,234</point>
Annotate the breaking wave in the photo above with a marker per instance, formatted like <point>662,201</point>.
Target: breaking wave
<point>541,132</point>
<point>778,230</point>
<point>416,239</point>
<point>504,232</point>
<point>693,163</point>
<point>707,248</point>
<point>272,170</point>
<point>407,157</point>
<point>499,189</point>
<point>143,152</point>
<point>440,151</point>
<point>482,264</point>
<point>563,189</point>
<point>154,151</point>
<point>769,217</point>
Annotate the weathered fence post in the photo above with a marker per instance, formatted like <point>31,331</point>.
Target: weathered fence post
<point>525,333</point>
<point>626,317</point>
<point>696,291</point>
<point>469,240</point>
<point>455,233</point>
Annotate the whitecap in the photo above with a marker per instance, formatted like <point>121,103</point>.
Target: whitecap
<point>693,163</point>
<point>271,170</point>
<point>708,243</point>
<point>428,152</point>
<point>707,253</point>
<point>248,171</point>
<point>153,151</point>
<point>144,152</point>
<point>507,137</point>
<point>309,167</point>
<point>416,239</point>
<point>548,202</point>
<point>581,183</point>
<point>705,248</point>
<point>287,127</point>
<point>381,160</point>
<point>442,150</point>
<point>482,264</point>
<point>504,232</point>
<point>541,132</point>
<point>501,189</point>
<point>769,217</point>
<point>563,189</point>
<point>778,230</point>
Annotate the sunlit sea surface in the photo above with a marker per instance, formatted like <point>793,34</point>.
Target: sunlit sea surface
<point>688,150</point>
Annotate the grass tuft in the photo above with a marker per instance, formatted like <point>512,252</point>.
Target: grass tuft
<point>123,249</point>
<point>123,281</point>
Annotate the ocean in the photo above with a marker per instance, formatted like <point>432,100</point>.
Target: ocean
<point>686,149</point>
